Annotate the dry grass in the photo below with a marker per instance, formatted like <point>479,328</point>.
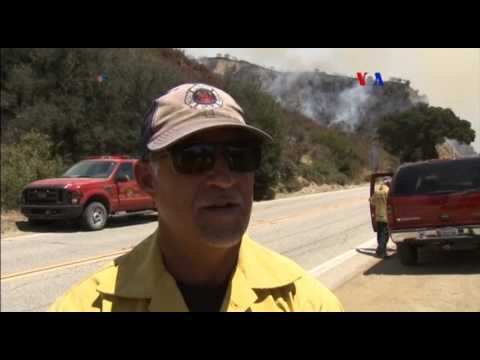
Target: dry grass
<point>9,220</point>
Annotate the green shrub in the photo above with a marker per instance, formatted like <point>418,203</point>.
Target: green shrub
<point>24,162</point>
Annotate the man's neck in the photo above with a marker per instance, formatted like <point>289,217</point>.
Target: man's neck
<point>198,265</point>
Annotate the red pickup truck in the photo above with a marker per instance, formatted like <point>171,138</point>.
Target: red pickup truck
<point>89,191</point>
<point>434,203</point>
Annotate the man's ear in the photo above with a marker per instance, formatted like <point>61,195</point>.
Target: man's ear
<point>145,177</point>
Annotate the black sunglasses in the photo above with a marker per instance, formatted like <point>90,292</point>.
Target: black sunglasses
<point>200,157</point>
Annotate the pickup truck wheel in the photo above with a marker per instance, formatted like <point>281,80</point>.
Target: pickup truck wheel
<point>94,216</point>
<point>407,253</point>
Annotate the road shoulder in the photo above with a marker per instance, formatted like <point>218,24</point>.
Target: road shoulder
<point>443,281</point>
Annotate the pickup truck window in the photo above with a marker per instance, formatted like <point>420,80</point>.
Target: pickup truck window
<point>90,169</point>
<point>125,169</point>
<point>438,179</point>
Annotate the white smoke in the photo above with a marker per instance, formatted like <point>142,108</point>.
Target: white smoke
<point>344,108</point>
<point>305,100</point>
<point>425,67</point>
<point>461,149</point>
<point>331,100</point>
<point>352,101</point>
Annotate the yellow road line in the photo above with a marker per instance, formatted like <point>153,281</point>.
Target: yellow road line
<point>64,265</point>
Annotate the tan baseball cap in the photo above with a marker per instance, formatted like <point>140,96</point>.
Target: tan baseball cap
<point>191,108</point>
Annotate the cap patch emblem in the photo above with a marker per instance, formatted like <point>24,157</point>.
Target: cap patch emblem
<point>203,97</point>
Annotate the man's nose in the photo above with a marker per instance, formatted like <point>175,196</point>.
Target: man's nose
<point>221,175</point>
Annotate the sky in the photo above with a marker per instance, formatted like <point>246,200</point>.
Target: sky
<point>450,78</point>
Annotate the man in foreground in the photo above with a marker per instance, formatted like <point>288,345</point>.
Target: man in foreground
<point>199,163</point>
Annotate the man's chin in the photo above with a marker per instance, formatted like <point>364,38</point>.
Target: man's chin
<point>222,242</point>
<point>222,237</point>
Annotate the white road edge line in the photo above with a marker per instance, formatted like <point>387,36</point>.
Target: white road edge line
<point>338,260</point>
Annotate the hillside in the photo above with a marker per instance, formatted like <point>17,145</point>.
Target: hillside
<point>60,105</point>
<point>331,100</point>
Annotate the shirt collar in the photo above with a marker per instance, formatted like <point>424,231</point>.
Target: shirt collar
<point>141,274</point>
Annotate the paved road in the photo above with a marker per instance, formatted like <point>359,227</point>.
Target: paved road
<point>308,229</point>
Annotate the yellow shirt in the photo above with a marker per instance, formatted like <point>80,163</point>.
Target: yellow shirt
<point>138,281</point>
<point>379,200</point>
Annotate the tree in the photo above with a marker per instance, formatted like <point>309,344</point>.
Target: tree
<point>412,135</point>
<point>262,111</point>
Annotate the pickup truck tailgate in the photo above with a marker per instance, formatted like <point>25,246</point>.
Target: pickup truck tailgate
<point>430,211</point>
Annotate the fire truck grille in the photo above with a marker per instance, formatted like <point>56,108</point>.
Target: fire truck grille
<point>41,196</point>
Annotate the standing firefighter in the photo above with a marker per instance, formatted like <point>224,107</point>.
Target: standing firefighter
<point>379,201</point>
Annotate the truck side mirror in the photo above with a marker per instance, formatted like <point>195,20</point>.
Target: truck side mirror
<point>122,178</point>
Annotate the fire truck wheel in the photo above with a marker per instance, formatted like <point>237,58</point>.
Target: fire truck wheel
<point>94,216</point>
